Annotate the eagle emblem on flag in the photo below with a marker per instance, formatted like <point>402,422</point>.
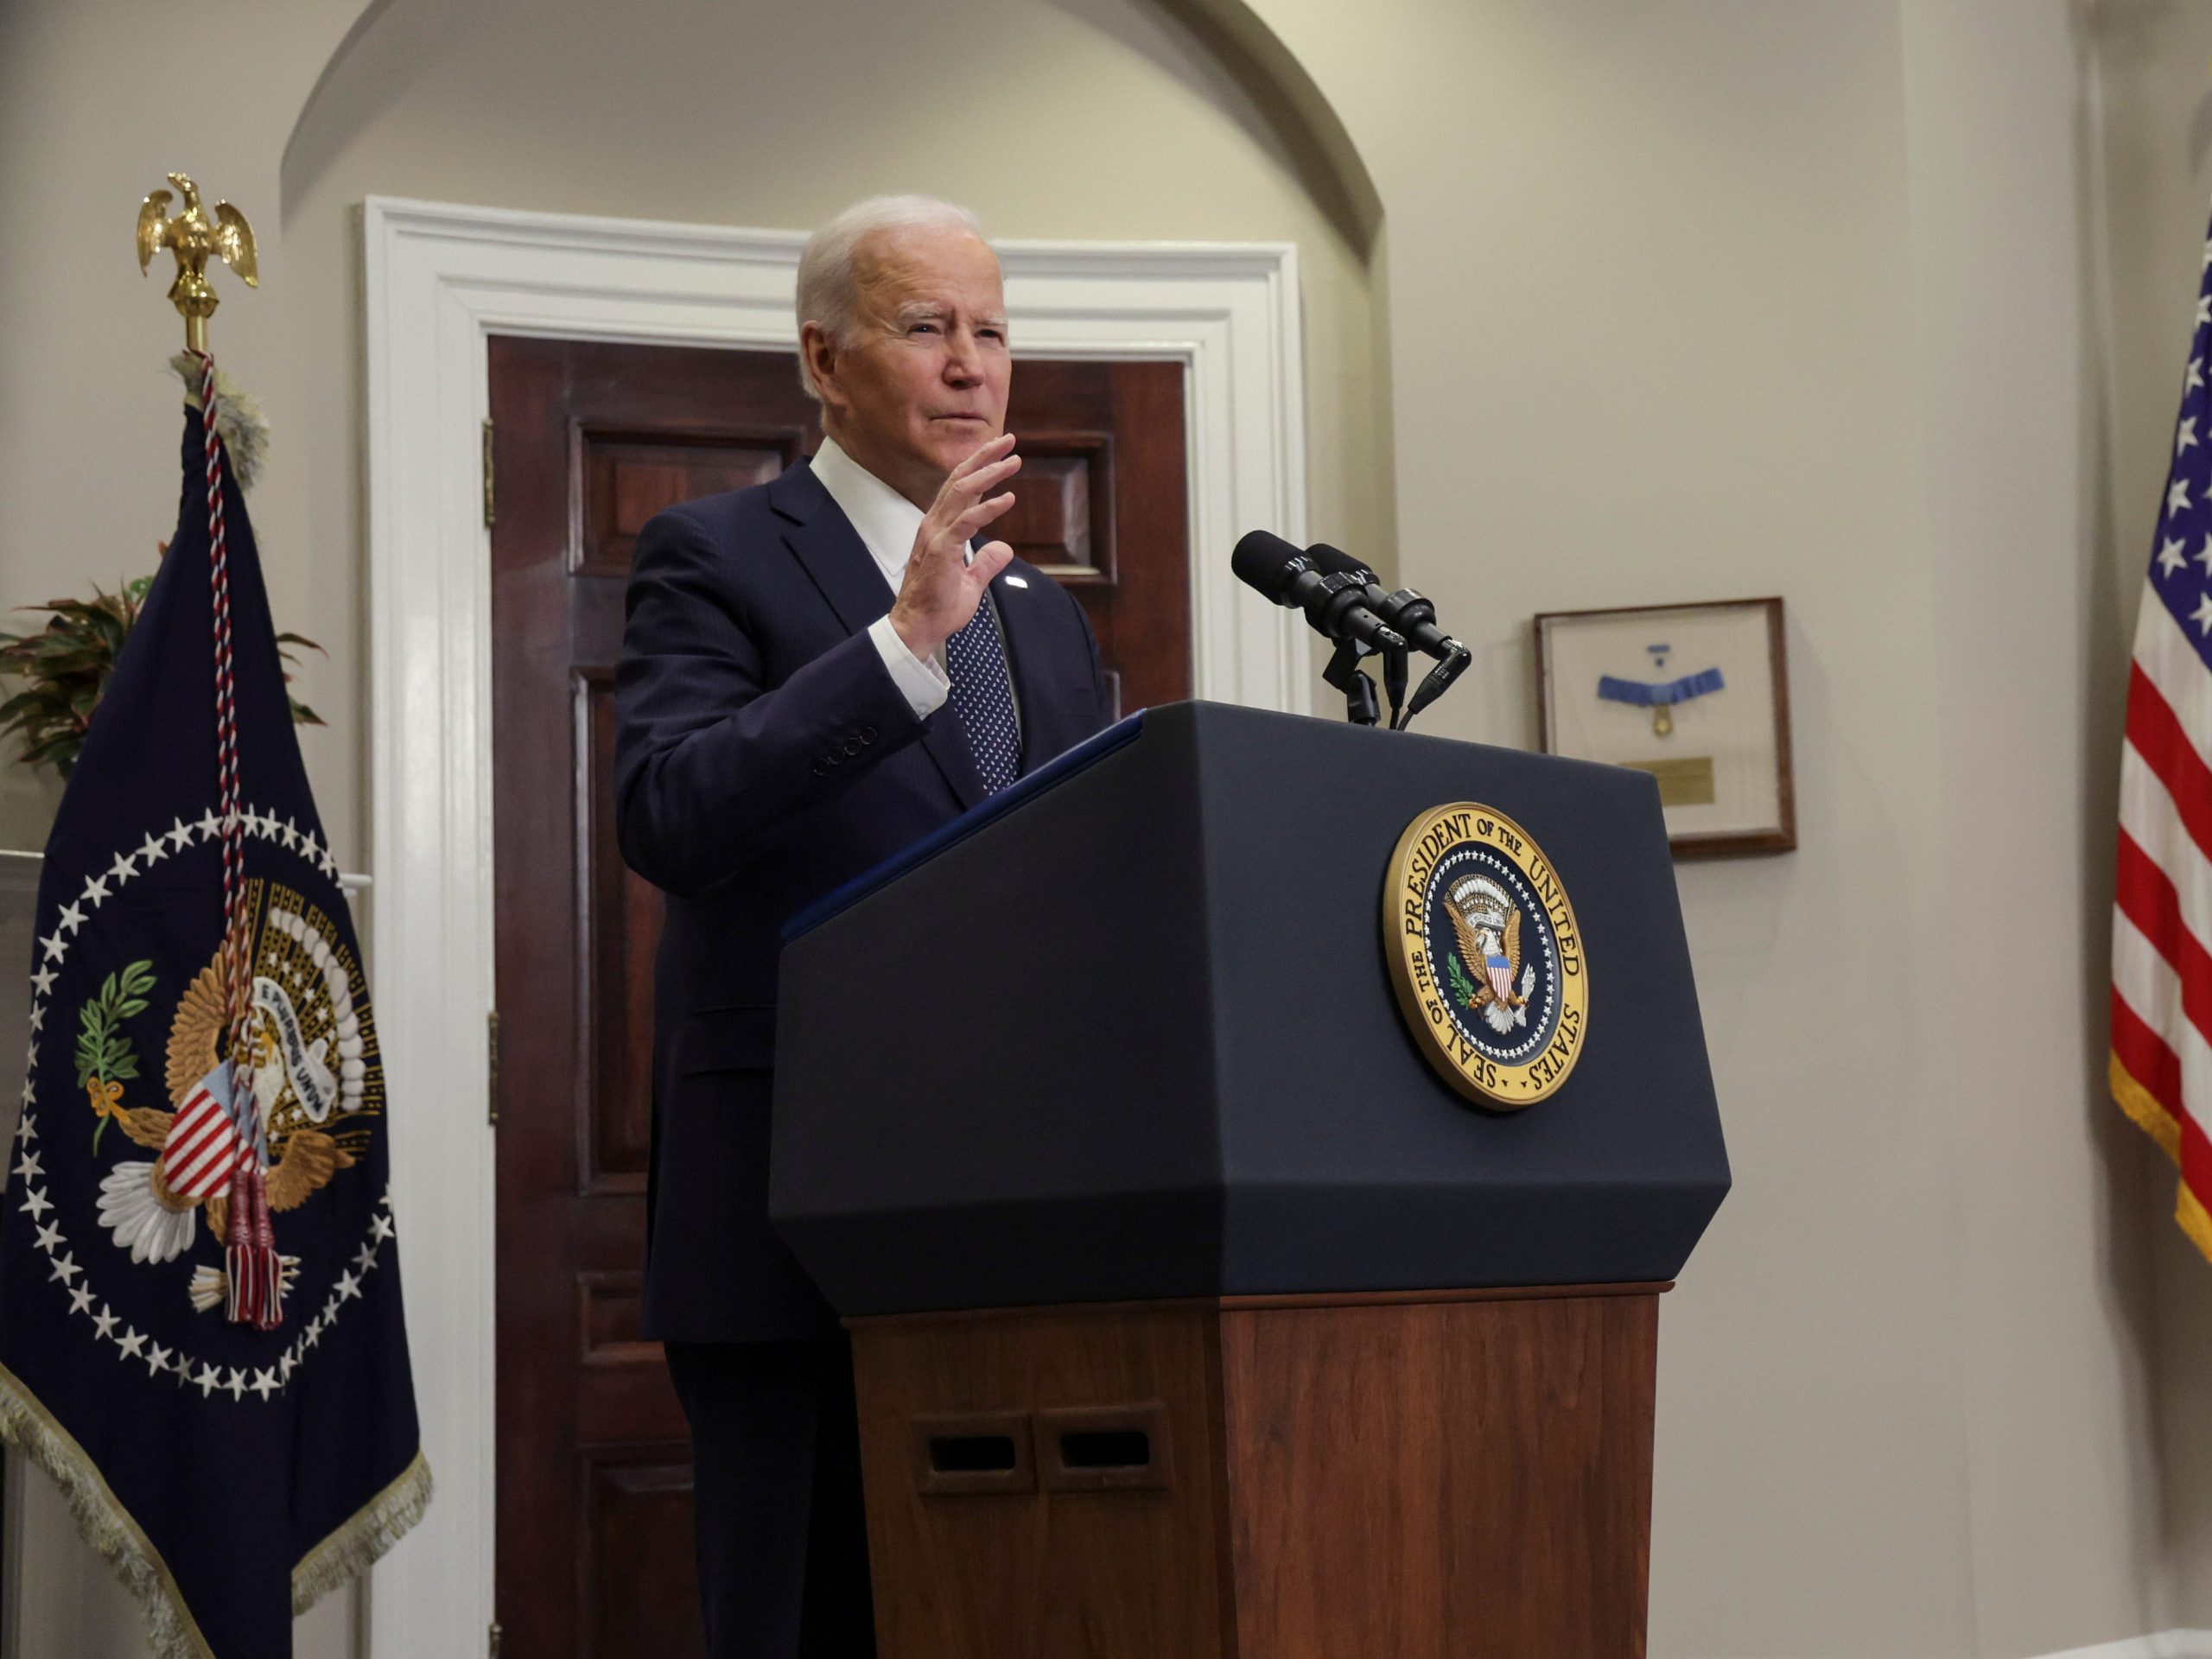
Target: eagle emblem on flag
<point>313,1044</point>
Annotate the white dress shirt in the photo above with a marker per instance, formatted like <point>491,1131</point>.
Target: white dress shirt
<point>888,522</point>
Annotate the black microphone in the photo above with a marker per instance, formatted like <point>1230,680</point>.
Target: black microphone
<point>1408,611</point>
<point>1334,602</point>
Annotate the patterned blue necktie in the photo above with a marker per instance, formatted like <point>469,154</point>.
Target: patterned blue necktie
<point>983,696</point>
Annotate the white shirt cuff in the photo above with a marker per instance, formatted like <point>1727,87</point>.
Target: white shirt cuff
<point>924,684</point>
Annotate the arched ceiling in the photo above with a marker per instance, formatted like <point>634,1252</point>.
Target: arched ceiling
<point>1248,50</point>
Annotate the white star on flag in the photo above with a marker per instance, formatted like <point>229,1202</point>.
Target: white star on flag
<point>130,1342</point>
<point>104,1321</point>
<point>2170,558</point>
<point>263,1383</point>
<point>178,832</point>
<point>2202,614</point>
<point>43,981</point>
<point>36,1202</point>
<point>123,869</point>
<point>208,1381</point>
<point>95,889</point>
<point>80,1299</point>
<point>157,1361</point>
<point>153,849</point>
<point>56,947</point>
<point>49,1238</point>
<point>72,917</point>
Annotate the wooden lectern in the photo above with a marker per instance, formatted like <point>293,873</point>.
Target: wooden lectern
<point>1193,1314</point>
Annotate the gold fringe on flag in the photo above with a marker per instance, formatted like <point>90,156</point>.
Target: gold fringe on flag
<point>361,1542</point>
<point>2155,1120</point>
<point>171,1631</point>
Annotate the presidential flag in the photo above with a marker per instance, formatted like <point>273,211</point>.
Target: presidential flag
<point>2161,1064</point>
<point>200,1329</point>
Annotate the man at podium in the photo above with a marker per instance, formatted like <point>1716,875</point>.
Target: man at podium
<point>815,672</point>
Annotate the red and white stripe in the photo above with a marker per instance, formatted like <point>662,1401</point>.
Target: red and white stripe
<point>2161,1065</point>
<point>202,1148</point>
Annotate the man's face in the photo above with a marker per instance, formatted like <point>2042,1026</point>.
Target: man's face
<point>922,386</point>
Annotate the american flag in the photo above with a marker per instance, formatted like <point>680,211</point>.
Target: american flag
<point>2161,1064</point>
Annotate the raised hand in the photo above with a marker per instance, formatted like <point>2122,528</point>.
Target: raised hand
<point>943,588</point>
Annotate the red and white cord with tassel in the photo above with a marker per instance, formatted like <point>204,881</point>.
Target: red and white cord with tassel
<point>256,1288</point>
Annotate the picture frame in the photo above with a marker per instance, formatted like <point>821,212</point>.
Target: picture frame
<point>1698,695</point>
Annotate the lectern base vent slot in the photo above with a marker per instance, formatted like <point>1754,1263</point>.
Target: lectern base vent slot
<point>1106,1449</point>
<point>1124,1448</point>
<point>971,1454</point>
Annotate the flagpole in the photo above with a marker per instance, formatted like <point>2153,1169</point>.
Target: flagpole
<point>194,236</point>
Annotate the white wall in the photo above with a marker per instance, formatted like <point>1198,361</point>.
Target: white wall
<point>1868,302</point>
<point>1715,298</point>
<point>2149,150</point>
<point>2057,1328</point>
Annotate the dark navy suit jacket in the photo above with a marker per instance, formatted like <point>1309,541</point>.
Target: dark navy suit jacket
<point>762,756</point>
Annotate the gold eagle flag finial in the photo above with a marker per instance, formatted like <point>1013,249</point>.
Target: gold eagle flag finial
<point>194,238</point>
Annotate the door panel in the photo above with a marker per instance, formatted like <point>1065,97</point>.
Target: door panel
<point>591,438</point>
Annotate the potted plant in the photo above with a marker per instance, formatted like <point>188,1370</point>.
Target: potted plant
<point>66,665</point>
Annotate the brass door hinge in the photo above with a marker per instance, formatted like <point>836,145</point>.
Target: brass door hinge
<point>492,1642</point>
<point>487,472</point>
<point>491,1055</point>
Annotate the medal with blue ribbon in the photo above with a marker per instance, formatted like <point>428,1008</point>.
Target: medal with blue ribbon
<point>1660,696</point>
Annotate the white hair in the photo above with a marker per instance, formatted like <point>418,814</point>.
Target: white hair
<point>828,294</point>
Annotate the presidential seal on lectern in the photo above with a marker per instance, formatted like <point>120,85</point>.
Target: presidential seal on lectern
<point>1485,956</point>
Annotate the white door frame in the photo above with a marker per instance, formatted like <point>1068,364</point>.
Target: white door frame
<point>439,278</point>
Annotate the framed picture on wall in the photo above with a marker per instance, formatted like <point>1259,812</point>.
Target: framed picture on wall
<point>1698,696</point>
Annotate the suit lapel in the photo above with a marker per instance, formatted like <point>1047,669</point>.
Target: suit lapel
<point>830,551</point>
<point>825,544</point>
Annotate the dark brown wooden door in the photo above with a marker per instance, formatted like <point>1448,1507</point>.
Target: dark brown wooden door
<point>1099,505</point>
<point>590,440</point>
